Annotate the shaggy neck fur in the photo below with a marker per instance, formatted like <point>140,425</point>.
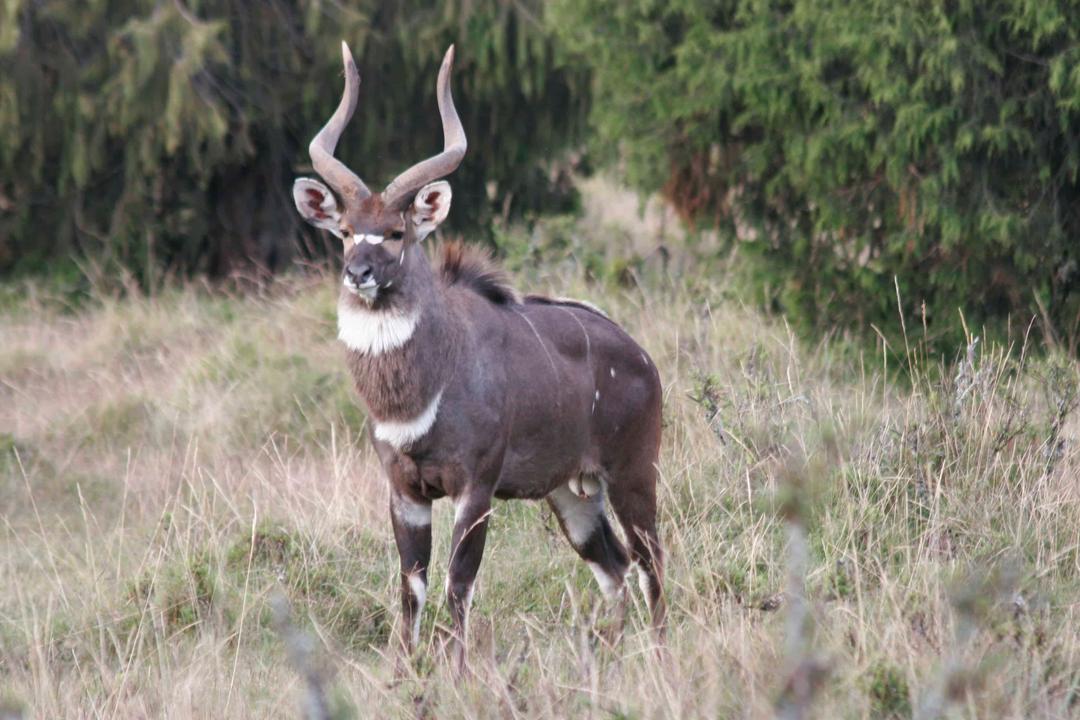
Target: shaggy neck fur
<point>401,355</point>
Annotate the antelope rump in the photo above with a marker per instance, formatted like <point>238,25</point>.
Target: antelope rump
<point>474,392</point>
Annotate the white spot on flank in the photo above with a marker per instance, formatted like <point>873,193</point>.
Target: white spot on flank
<point>612,371</point>
<point>609,586</point>
<point>411,513</point>
<point>374,332</point>
<point>580,517</point>
<point>402,433</point>
<point>597,394</point>
<point>419,592</point>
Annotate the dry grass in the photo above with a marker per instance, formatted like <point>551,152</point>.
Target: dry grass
<point>168,465</point>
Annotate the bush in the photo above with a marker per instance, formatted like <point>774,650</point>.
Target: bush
<point>842,144</point>
<point>165,136</point>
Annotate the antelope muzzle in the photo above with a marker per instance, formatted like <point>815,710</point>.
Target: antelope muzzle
<point>370,271</point>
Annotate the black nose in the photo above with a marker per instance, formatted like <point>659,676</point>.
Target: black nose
<point>359,272</point>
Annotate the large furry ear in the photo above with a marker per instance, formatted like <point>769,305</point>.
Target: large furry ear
<point>317,204</point>
<point>430,207</point>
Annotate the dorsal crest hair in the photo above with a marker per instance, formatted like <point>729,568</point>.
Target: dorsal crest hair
<point>571,302</point>
<point>472,267</point>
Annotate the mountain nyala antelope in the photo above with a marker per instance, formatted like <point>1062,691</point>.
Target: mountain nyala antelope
<point>475,393</point>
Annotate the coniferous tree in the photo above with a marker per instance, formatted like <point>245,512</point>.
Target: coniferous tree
<point>164,135</point>
<point>844,143</point>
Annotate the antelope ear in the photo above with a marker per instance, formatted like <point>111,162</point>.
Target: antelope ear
<point>317,204</point>
<point>430,207</point>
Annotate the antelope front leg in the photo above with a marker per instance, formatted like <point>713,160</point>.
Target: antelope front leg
<point>411,518</point>
<point>471,512</point>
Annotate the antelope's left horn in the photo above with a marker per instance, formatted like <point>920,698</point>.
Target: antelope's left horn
<point>343,180</point>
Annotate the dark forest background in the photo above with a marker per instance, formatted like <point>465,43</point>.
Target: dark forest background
<point>849,154</point>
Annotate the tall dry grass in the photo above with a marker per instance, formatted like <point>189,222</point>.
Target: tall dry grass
<point>849,533</point>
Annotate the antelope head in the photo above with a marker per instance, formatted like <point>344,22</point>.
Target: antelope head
<point>377,230</point>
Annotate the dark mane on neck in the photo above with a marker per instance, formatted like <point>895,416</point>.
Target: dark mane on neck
<point>472,267</point>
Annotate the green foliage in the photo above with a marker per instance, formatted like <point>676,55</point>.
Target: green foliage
<point>888,691</point>
<point>165,136</point>
<point>842,144</point>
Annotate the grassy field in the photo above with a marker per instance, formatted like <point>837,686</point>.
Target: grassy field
<point>170,464</point>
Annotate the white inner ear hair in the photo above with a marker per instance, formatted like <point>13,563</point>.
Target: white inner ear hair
<point>373,332</point>
<point>400,434</point>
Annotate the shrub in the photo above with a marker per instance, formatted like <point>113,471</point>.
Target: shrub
<point>166,136</point>
<point>842,144</point>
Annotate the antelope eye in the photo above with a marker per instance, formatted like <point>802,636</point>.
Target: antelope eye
<point>397,235</point>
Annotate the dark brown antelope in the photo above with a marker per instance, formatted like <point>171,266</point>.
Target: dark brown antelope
<point>474,393</point>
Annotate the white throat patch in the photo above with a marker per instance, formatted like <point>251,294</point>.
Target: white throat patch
<point>402,433</point>
<point>373,332</point>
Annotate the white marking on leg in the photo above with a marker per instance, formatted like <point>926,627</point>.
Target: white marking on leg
<point>612,371</point>
<point>409,512</point>
<point>374,332</point>
<point>418,588</point>
<point>402,433</point>
<point>609,586</point>
<point>468,605</point>
<point>460,504</point>
<point>645,584</point>
<point>580,517</point>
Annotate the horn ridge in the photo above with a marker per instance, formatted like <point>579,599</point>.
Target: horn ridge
<point>343,180</point>
<point>405,185</point>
